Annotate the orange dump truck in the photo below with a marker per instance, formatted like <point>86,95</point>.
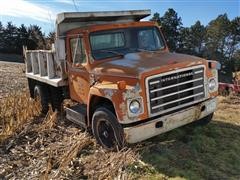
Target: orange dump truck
<point>126,85</point>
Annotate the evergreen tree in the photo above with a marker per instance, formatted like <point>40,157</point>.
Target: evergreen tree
<point>9,38</point>
<point>36,38</point>
<point>23,38</point>
<point>217,34</point>
<point>1,36</point>
<point>50,40</point>
<point>192,39</point>
<point>156,18</point>
<point>171,25</point>
<point>233,40</point>
<point>197,36</point>
<point>185,45</point>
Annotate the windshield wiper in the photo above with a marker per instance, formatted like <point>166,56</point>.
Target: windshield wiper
<point>146,50</point>
<point>113,52</point>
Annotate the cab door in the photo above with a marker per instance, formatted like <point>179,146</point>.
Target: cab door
<point>77,69</point>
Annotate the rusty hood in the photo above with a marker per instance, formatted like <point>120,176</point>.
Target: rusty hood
<point>135,64</point>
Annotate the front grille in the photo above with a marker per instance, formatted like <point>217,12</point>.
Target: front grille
<point>175,89</point>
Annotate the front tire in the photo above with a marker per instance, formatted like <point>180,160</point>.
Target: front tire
<point>106,129</point>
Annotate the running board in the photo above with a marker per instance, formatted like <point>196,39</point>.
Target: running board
<point>77,114</point>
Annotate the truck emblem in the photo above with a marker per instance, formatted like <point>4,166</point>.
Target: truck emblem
<point>176,77</point>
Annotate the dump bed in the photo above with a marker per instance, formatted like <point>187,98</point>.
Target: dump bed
<point>45,66</point>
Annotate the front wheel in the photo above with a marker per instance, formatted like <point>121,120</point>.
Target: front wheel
<point>106,129</point>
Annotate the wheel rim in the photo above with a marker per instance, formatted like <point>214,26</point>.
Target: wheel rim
<point>106,134</point>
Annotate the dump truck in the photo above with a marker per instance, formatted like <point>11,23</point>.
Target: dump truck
<point>125,84</point>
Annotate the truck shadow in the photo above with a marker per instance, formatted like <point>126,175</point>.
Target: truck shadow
<point>210,152</point>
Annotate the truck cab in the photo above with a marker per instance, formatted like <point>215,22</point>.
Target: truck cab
<point>127,85</point>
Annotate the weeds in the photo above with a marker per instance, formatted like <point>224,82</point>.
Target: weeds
<point>49,121</point>
<point>48,149</point>
<point>104,165</point>
<point>16,110</point>
<point>228,109</point>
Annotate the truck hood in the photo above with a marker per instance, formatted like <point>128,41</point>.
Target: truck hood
<point>135,64</point>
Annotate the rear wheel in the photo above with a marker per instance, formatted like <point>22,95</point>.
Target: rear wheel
<point>106,129</point>
<point>41,94</point>
<point>56,98</point>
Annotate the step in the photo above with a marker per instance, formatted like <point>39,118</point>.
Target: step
<point>77,114</point>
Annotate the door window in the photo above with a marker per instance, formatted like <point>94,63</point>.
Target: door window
<point>77,51</point>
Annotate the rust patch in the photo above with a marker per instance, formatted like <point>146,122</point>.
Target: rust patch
<point>108,93</point>
<point>132,93</point>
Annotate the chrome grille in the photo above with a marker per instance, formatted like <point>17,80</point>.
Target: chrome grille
<point>169,91</point>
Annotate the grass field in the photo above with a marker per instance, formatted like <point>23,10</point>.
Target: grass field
<point>35,147</point>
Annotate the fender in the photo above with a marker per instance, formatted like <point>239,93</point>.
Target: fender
<point>118,98</point>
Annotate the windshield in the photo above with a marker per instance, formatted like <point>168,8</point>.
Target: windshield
<point>106,44</point>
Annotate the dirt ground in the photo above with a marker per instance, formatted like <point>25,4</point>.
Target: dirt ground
<point>11,78</point>
<point>53,148</point>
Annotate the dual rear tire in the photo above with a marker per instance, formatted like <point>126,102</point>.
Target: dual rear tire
<point>40,94</point>
<point>47,95</point>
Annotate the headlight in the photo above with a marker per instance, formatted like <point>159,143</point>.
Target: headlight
<point>135,106</point>
<point>212,84</point>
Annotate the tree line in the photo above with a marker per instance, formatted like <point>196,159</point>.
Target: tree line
<point>13,38</point>
<point>218,40</point>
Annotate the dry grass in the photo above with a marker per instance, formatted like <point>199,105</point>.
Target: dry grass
<point>48,148</point>
<point>58,153</point>
<point>15,111</point>
<point>104,165</point>
<point>12,78</point>
<point>228,109</point>
<point>49,121</point>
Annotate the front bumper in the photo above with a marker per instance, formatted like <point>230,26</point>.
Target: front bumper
<point>149,129</point>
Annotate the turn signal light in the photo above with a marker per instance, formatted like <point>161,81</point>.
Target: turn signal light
<point>121,85</point>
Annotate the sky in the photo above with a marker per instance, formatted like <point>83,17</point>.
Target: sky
<point>43,12</point>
